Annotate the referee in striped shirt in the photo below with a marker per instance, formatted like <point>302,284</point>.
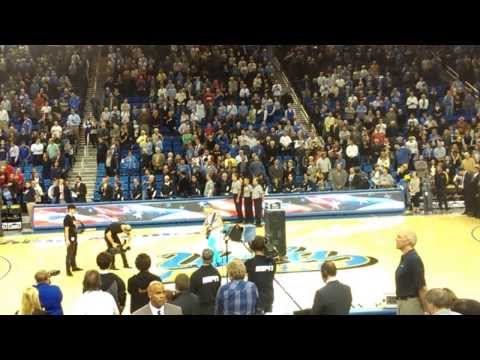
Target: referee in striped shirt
<point>238,297</point>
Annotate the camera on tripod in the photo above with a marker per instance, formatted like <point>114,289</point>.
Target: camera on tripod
<point>53,273</point>
<point>271,251</point>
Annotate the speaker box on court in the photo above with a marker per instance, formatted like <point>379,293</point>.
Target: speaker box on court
<point>275,230</point>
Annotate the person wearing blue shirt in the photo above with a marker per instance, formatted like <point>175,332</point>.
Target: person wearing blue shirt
<point>237,297</point>
<point>130,162</point>
<point>74,101</point>
<point>24,154</point>
<point>50,295</point>
<point>402,155</point>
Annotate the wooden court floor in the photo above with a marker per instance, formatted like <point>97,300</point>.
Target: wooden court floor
<point>363,248</point>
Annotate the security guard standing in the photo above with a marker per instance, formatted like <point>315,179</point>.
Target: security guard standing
<point>70,231</point>
<point>237,196</point>
<point>114,245</point>
<point>261,271</point>
<point>247,200</point>
<point>257,198</point>
<point>205,283</point>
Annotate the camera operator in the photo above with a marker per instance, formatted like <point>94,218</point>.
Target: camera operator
<point>205,282</point>
<point>50,295</point>
<point>261,271</point>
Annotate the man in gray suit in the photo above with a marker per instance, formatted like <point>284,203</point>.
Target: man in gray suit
<point>157,304</point>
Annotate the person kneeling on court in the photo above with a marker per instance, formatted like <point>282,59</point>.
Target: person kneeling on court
<point>334,298</point>
<point>261,271</point>
<point>158,302</point>
<point>114,244</point>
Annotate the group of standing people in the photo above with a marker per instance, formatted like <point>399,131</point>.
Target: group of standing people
<point>248,197</point>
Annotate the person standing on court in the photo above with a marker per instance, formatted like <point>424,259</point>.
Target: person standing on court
<point>261,271</point>
<point>247,200</point>
<point>70,231</point>
<point>137,285</point>
<point>410,277</point>
<point>183,297</point>
<point>237,196</point>
<point>114,245</point>
<point>257,198</point>
<point>441,181</point>
<point>334,298</point>
<point>205,282</point>
<point>237,297</point>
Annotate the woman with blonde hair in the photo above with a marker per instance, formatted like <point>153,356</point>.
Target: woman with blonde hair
<point>31,303</point>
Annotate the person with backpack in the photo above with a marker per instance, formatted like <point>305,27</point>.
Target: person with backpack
<point>111,282</point>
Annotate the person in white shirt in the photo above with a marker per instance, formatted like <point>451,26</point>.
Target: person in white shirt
<point>439,302</point>
<point>4,118</point>
<point>423,103</point>
<point>352,153</point>
<point>46,111</point>
<point>14,152</point>
<point>412,120</point>
<point>244,92</point>
<point>94,301</point>
<point>285,141</point>
<point>37,152</point>
<point>412,145</point>
<point>412,102</point>
<point>324,164</point>
<point>56,130</point>
<point>200,110</point>
<point>277,89</point>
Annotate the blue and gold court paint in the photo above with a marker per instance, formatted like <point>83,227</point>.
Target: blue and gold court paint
<point>363,248</point>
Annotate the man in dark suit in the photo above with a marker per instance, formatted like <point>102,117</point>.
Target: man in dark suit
<point>62,193</point>
<point>138,284</point>
<point>184,298</point>
<point>157,304</point>
<point>334,298</point>
<point>80,189</point>
<point>106,190</point>
<point>101,151</point>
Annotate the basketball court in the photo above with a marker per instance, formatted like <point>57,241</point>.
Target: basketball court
<point>363,248</point>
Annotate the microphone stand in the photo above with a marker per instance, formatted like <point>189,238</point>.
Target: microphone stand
<point>226,238</point>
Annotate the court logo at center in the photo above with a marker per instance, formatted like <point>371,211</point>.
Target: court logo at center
<point>299,260</point>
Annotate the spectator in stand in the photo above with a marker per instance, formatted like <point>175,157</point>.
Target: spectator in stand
<point>441,181</point>
<point>338,177</point>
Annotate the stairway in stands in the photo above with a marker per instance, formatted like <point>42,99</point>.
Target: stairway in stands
<point>86,157</point>
<point>302,116</point>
